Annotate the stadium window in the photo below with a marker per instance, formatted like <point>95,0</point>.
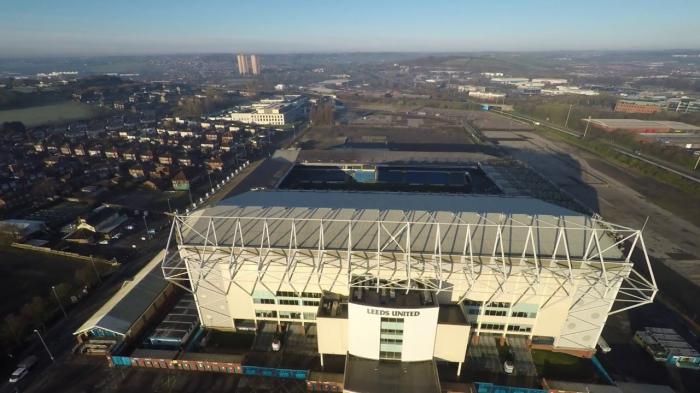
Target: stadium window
<point>310,302</point>
<point>289,302</point>
<point>389,355</point>
<point>311,295</point>
<point>265,314</point>
<point>263,301</point>
<point>498,304</point>
<point>391,341</point>
<point>392,320</point>
<point>310,316</point>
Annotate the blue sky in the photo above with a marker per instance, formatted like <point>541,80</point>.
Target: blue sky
<point>98,27</point>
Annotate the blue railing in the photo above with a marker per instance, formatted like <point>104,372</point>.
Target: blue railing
<point>302,375</point>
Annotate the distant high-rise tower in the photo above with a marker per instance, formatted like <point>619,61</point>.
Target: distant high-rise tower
<point>243,66</point>
<point>254,64</point>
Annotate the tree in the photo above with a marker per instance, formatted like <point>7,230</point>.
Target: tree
<point>16,326</point>
<point>35,310</point>
<point>84,276</point>
<point>12,127</point>
<point>63,291</point>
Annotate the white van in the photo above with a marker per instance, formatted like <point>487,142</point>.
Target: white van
<point>23,369</point>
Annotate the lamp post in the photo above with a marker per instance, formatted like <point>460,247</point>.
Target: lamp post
<point>45,346</point>
<point>58,300</point>
<point>567,116</point>
<point>588,123</point>
<point>92,260</point>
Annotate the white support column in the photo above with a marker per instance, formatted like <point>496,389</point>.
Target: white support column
<point>379,254</point>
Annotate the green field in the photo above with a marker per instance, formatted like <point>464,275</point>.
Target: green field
<point>560,365</point>
<point>47,114</point>
<point>24,274</point>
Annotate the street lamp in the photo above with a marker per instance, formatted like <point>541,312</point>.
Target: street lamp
<point>566,123</point>
<point>92,260</point>
<point>58,300</point>
<point>45,346</point>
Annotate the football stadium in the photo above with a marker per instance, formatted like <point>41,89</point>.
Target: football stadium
<point>408,279</point>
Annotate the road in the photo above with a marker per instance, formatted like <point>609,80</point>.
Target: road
<point>670,167</point>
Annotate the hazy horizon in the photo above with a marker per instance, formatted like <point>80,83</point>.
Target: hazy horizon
<point>82,28</point>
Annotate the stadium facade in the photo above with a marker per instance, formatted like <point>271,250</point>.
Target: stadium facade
<point>408,276</point>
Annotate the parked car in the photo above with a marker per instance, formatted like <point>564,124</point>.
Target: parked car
<point>509,362</point>
<point>18,374</point>
<point>276,344</point>
<point>23,369</point>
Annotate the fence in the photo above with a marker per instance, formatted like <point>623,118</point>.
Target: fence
<point>207,365</point>
<point>48,250</point>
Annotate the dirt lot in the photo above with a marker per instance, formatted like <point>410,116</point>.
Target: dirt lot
<point>479,119</point>
<point>444,138</point>
<point>24,274</point>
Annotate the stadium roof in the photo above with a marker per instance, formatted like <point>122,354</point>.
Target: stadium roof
<point>276,219</point>
<point>130,302</point>
<point>381,156</point>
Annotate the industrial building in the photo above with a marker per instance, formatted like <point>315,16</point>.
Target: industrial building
<point>642,126</point>
<point>683,140</point>
<point>665,345</point>
<point>407,277</point>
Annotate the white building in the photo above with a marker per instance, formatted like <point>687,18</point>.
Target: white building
<point>510,81</point>
<point>409,277</point>
<point>277,111</point>
<point>550,81</point>
<point>561,90</point>
<point>488,96</point>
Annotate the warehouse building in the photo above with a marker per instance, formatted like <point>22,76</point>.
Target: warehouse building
<point>642,126</point>
<point>410,278</point>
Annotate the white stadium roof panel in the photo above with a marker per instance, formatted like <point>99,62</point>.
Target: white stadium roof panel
<point>526,225</point>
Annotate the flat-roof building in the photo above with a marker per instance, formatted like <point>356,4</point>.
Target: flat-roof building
<point>407,277</point>
<point>278,110</point>
<point>642,126</point>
